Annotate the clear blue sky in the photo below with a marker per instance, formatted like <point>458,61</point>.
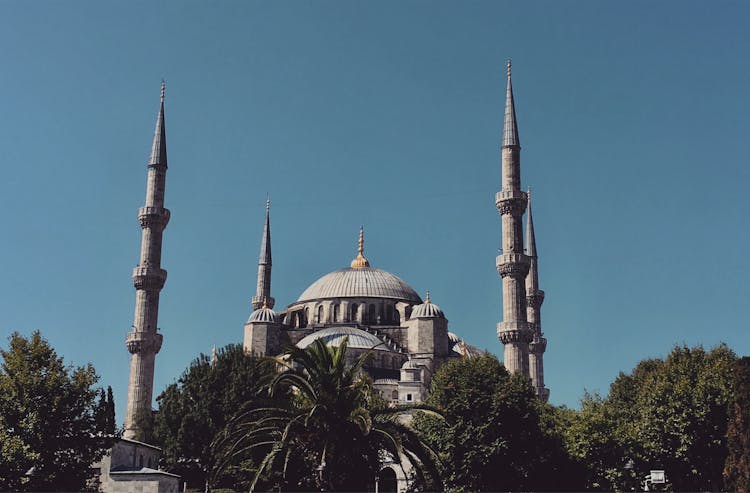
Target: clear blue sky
<point>633,118</point>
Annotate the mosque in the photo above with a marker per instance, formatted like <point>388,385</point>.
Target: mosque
<point>376,310</point>
<point>408,336</point>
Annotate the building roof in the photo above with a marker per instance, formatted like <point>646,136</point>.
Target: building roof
<point>362,282</point>
<point>427,309</point>
<point>333,336</point>
<point>263,315</point>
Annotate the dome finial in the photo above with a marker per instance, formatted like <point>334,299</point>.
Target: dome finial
<point>214,356</point>
<point>427,300</point>
<point>360,261</point>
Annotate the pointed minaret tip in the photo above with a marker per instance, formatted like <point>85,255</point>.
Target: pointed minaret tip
<point>510,127</point>
<point>427,299</point>
<point>530,236</point>
<point>159,145</point>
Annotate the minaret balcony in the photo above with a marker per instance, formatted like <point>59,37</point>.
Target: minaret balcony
<point>535,299</point>
<point>153,217</point>
<point>513,264</point>
<point>149,277</point>
<point>511,202</point>
<point>143,342</point>
<point>514,331</point>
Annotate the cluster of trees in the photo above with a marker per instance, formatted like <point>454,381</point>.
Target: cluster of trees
<point>319,425</point>
<point>54,422</point>
<point>239,423</point>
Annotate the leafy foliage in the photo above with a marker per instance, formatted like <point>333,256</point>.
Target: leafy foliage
<point>496,434</point>
<point>737,469</point>
<point>47,418</point>
<point>667,414</point>
<point>332,431</point>
<point>196,408</point>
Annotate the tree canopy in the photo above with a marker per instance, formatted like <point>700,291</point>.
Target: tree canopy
<point>47,419</point>
<point>331,432</point>
<point>496,435</point>
<point>669,415</point>
<point>198,406</point>
<point>737,469</point>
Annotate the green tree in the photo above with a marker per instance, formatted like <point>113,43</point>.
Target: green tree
<point>104,413</point>
<point>331,433</point>
<point>47,418</point>
<point>669,414</point>
<point>737,469</point>
<point>196,408</point>
<point>496,435</point>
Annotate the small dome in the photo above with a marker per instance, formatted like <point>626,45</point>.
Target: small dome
<point>410,365</point>
<point>460,348</point>
<point>263,315</point>
<point>427,310</point>
<point>333,336</point>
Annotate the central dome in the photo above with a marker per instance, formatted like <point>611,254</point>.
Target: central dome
<point>360,282</point>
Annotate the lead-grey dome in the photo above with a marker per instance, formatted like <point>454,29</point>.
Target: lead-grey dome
<point>333,336</point>
<point>363,282</point>
<point>263,315</point>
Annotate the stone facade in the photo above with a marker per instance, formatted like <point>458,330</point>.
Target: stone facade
<point>130,467</point>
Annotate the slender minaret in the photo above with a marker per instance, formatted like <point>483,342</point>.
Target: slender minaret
<point>534,300</point>
<point>148,278</point>
<point>263,290</point>
<point>512,264</point>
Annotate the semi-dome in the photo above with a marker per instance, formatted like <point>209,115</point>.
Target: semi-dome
<point>360,282</point>
<point>333,336</point>
<point>263,315</point>
<point>427,310</point>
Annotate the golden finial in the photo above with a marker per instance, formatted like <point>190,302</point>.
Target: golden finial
<point>509,64</point>
<point>265,303</point>
<point>463,349</point>
<point>427,300</point>
<point>214,357</point>
<point>360,261</point>
<point>163,86</point>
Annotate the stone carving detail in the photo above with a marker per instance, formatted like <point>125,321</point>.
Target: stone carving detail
<point>143,342</point>
<point>535,300</point>
<point>517,271</point>
<point>153,217</point>
<point>515,336</point>
<point>147,277</point>
<point>514,207</point>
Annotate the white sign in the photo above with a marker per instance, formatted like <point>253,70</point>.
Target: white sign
<point>657,477</point>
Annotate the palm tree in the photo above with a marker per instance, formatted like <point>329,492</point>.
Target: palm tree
<point>332,433</point>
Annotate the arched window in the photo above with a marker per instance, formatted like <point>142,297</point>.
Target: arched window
<point>372,314</point>
<point>319,317</point>
<point>307,317</point>
<point>354,312</point>
<point>394,395</point>
<point>336,313</point>
<point>387,481</point>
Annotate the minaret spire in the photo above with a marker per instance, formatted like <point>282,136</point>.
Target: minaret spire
<point>534,300</point>
<point>512,264</point>
<point>263,290</point>
<point>143,342</point>
<point>510,127</point>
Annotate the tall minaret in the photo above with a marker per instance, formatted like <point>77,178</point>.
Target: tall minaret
<point>512,264</point>
<point>263,291</point>
<point>148,278</point>
<point>534,300</point>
